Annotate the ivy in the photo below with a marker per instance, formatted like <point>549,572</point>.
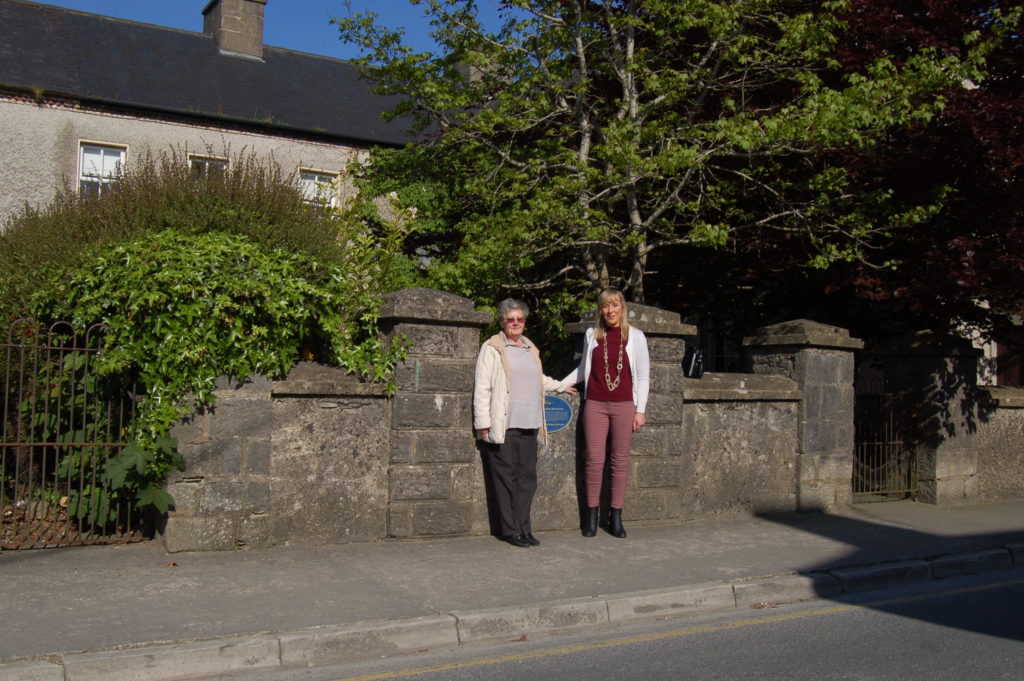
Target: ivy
<point>182,309</point>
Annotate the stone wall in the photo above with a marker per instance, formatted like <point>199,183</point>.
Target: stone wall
<point>321,457</point>
<point>1000,442</point>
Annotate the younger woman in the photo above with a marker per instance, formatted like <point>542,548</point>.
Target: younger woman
<point>615,369</point>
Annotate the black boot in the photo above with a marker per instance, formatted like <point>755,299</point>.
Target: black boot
<point>615,524</point>
<point>590,523</point>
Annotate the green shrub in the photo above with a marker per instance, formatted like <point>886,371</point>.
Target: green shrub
<point>183,309</point>
<point>251,198</point>
<point>193,278</point>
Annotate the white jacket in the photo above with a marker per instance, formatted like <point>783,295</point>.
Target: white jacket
<point>491,389</point>
<point>639,366</point>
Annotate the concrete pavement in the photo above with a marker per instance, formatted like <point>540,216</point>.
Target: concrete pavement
<point>134,612</point>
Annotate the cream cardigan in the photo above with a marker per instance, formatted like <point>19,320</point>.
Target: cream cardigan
<point>491,389</point>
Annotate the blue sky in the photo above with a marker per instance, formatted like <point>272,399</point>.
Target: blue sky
<point>296,24</point>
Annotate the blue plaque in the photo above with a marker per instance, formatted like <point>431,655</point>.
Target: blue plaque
<point>557,413</point>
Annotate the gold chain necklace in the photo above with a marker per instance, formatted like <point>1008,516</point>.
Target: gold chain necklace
<point>612,385</point>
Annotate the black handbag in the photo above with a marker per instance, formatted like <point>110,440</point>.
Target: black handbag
<point>693,363</point>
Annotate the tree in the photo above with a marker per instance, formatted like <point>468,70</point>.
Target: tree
<point>961,265</point>
<point>585,138</point>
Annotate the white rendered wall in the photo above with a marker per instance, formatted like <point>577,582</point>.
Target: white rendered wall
<point>39,145</point>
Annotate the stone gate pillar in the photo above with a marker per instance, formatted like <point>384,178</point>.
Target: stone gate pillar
<point>658,473</point>
<point>435,486</point>
<point>820,359</point>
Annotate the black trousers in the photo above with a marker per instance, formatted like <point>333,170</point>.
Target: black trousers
<point>513,466</point>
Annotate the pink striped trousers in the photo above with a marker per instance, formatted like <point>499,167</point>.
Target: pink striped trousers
<point>607,423</point>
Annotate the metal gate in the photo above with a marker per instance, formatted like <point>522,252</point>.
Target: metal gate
<point>885,452</point>
<point>61,424</point>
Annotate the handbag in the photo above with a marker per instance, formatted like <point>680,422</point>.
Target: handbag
<point>693,362</point>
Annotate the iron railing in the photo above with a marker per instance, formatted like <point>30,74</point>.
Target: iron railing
<point>61,424</point>
<point>885,461</point>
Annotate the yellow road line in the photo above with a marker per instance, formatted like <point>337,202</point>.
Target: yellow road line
<point>516,657</point>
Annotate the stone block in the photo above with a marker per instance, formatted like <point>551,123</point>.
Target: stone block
<point>223,457</point>
<point>345,643</point>
<point>438,446</point>
<point>426,410</point>
<point>666,379</point>
<point>429,340</point>
<point>187,494</point>
<point>190,430</point>
<point>883,575</point>
<point>820,367</point>
<point>231,418</point>
<point>175,662</point>
<point>331,510</point>
<point>657,440</point>
<point>403,443</point>
<point>191,533</point>
<point>650,505</point>
<point>651,473</point>
<point>31,671</point>
<point>432,374</point>
<point>972,563</point>
<point>256,457</point>
<point>429,518</point>
<point>256,530</point>
<point>420,482</point>
<point>786,589</point>
<point>235,496</point>
<point>666,349</point>
<point>664,409</point>
<point>512,622</point>
<point>670,603</point>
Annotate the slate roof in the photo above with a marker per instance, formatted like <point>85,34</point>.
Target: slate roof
<point>113,62</point>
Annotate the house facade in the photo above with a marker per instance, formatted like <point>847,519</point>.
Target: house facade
<point>83,96</point>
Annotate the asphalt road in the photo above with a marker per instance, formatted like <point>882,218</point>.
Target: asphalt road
<point>964,629</point>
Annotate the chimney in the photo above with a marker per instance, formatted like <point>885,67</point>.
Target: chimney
<point>236,25</point>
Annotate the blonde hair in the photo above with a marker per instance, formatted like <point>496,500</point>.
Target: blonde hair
<point>601,328</point>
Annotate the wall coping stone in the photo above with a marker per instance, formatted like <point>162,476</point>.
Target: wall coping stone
<point>312,379</point>
<point>804,332</point>
<point>1004,396</point>
<point>714,387</point>
<point>653,321</point>
<point>431,305</point>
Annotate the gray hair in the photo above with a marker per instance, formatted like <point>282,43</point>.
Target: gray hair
<point>509,304</point>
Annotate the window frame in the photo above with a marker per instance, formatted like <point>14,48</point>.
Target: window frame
<point>324,199</point>
<point>96,184</point>
<point>201,164</point>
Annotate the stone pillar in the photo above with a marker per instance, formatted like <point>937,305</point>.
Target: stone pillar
<point>659,470</point>
<point>937,373</point>
<point>820,359</point>
<point>435,484</point>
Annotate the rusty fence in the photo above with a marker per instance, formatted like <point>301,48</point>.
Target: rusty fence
<point>885,457</point>
<point>61,424</point>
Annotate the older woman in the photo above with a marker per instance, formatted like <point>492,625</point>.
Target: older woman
<point>615,370</point>
<point>508,414</point>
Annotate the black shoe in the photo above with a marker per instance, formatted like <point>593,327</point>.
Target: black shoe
<point>517,540</point>
<point>590,522</point>
<point>531,540</point>
<point>615,524</point>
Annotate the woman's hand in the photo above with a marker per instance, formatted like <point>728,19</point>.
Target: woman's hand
<point>484,432</point>
<point>571,390</point>
<point>638,421</point>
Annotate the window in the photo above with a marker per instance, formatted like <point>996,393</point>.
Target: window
<point>204,166</point>
<point>318,187</point>
<point>99,165</point>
